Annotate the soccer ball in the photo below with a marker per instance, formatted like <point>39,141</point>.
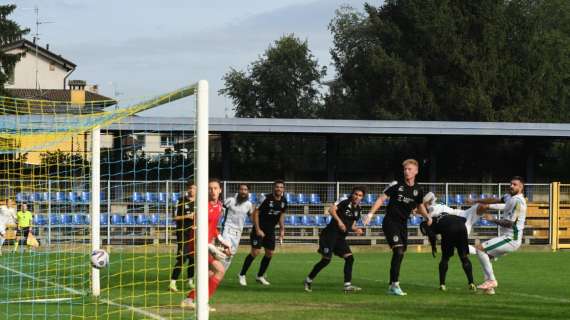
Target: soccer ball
<point>99,259</point>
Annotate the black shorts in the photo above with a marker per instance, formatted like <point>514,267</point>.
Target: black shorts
<point>396,233</point>
<point>331,242</point>
<point>267,242</point>
<point>455,239</point>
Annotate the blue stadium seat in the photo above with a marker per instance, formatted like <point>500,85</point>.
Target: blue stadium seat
<point>298,220</point>
<point>54,220</point>
<point>21,197</point>
<point>309,220</point>
<point>302,198</point>
<point>291,198</point>
<point>459,199</point>
<point>174,197</point>
<point>484,223</point>
<point>35,197</point>
<point>103,196</point>
<point>162,196</point>
<point>249,223</point>
<point>78,219</point>
<point>414,220</point>
<point>377,220</point>
<point>39,220</point>
<point>322,220</point>
<point>86,197</point>
<point>370,198</point>
<point>359,223</point>
<point>150,197</point>
<point>253,197</point>
<point>103,219</point>
<point>60,197</point>
<point>65,219</point>
<point>288,220</point>
<point>46,196</point>
<point>72,197</point>
<point>116,219</point>
<point>136,197</point>
<point>314,198</point>
<point>87,219</point>
<point>450,200</point>
<point>142,219</point>
<point>155,219</point>
<point>473,197</point>
<point>129,219</point>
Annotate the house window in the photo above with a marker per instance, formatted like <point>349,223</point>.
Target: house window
<point>11,77</point>
<point>166,141</point>
<point>52,66</point>
<point>140,139</point>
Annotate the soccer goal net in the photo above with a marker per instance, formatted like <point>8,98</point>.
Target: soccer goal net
<point>78,176</point>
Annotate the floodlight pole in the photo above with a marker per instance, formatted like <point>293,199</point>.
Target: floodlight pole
<point>95,204</point>
<point>202,312</point>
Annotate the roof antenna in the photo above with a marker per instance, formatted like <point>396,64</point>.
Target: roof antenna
<point>36,39</point>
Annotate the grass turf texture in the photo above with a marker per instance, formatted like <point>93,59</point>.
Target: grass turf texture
<point>532,285</point>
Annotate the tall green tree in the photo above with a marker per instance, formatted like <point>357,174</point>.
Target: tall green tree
<point>483,60</point>
<point>282,83</point>
<point>10,31</point>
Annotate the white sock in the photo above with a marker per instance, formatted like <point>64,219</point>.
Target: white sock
<point>472,250</point>
<point>191,281</point>
<point>173,283</point>
<point>395,284</point>
<point>486,265</point>
<point>346,284</point>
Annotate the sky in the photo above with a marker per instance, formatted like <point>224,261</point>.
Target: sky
<point>135,49</point>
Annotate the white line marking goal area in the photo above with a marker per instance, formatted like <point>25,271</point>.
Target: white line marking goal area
<point>139,311</point>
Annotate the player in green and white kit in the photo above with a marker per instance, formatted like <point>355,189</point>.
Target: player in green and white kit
<point>237,209</point>
<point>511,227</point>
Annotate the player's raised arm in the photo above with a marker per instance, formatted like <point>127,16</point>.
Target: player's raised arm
<point>375,208</point>
<point>423,211</point>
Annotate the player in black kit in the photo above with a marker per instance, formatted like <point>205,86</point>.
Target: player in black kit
<point>404,198</point>
<point>332,239</point>
<point>265,218</point>
<point>453,236</point>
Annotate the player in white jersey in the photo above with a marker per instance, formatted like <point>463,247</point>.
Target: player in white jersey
<point>510,229</point>
<point>4,216</point>
<point>237,209</point>
<point>471,215</point>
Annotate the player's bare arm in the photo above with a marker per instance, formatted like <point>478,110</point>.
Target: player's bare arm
<point>356,230</point>
<point>374,208</point>
<point>282,227</point>
<point>423,211</point>
<point>258,230</point>
<point>341,225</point>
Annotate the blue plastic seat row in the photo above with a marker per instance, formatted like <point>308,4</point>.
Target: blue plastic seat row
<point>461,199</point>
<point>60,197</point>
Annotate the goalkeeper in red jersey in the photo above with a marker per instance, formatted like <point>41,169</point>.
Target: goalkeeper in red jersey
<point>217,270</point>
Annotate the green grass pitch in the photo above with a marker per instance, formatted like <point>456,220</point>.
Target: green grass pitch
<point>532,285</point>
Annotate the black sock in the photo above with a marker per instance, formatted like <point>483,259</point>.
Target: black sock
<point>191,268</point>
<point>468,268</point>
<point>397,257</point>
<point>263,267</point>
<point>348,262</point>
<point>318,267</point>
<point>246,264</point>
<point>177,268</point>
<point>443,266</point>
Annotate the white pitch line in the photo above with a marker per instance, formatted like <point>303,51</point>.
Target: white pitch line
<point>74,291</point>
<point>36,300</point>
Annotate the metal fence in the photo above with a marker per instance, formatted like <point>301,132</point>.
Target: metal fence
<point>140,212</point>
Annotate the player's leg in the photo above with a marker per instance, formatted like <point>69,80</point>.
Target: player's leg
<point>326,250</point>
<point>232,237</point>
<point>492,248</point>
<point>269,246</point>
<point>398,233</point>
<point>177,267</point>
<point>216,274</point>
<point>462,245</point>
<point>446,254</point>
<point>255,250</point>
<point>189,259</point>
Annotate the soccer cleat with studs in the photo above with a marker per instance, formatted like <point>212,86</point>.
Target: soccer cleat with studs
<point>308,286</point>
<point>442,287</point>
<point>472,287</point>
<point>351,288</point>
<point>262,280</point>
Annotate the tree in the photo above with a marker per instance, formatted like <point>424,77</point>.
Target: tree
<point>283,83</point>
<point>10,31</point>
<point>452,60</point>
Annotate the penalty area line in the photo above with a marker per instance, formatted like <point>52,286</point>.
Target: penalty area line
<point>78,292</point>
